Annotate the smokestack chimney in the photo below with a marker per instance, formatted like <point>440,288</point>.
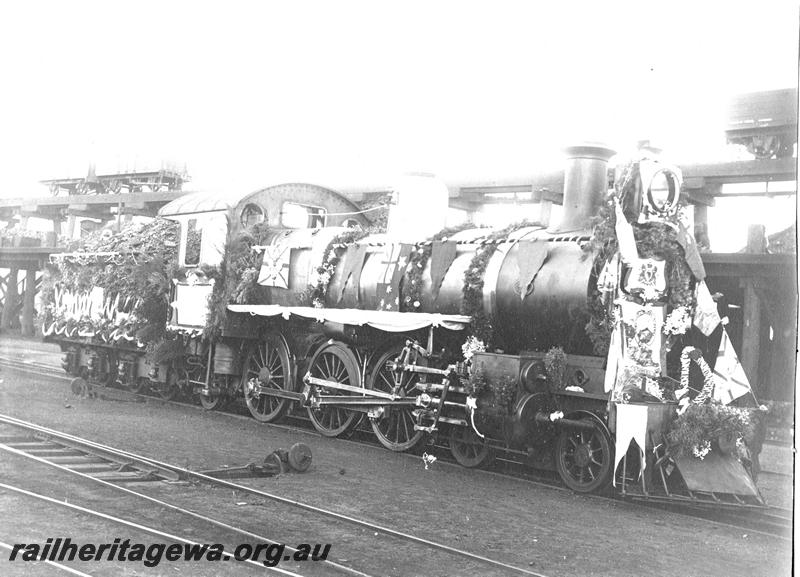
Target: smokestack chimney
<point>585,185</point>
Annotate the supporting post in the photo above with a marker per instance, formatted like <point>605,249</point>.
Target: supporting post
<point>751,333</point>
<point>28,329</point>
<point>7,321</point>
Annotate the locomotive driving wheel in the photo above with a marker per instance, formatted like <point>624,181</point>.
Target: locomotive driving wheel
<point>467,448</point>
<point>394,428</point>
<point>337,363</point>
<point>216,401</point>
<point>267,366</point>
<point>583,458</point>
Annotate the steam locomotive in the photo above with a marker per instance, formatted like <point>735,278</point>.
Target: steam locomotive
<point>473,337</point>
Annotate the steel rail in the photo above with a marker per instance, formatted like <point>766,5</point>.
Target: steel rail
<point>137,526</point>
<point>245,489</point>
<point>53,563</point>
<point>167,505</point>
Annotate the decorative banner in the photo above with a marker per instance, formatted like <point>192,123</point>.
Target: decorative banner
<point>614,357</point>
<point>275,266</point>
<point>396,262</point>
<point>647,276</point>
<point>625,238</point>
<point>96,298</point>
<point>532,255</point>
<point>642,334</point>
<point>608,279</point>
<point>687,241</point>
<point>352,266</point>
<point>631,426</point>
<point>731,379</point>
<point>443,253</point>
<point>706,316</point>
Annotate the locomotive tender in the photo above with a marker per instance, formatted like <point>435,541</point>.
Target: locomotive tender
<point>354,326</point>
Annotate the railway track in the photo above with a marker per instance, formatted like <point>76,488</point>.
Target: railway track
<point>770,521</point>
<point>118,469</point>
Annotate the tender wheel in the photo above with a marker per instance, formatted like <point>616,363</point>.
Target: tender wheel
<point>267,366</point>
<point>583,458</point>
<point>79,387</point>
<point>334,362</point>
<point>300,457</point>
<point>395,427</point>
<point>468,449</point>
<point>138,385</point>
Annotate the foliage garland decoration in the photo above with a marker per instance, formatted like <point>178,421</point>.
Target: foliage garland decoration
<point>497,395</point>
<point>482,325</point>
<point>555,364</point>
<point>417,260</point>
<point>142,254</point>
<point>330,259</point>
<point>653,240</point>
<point>699,429</point>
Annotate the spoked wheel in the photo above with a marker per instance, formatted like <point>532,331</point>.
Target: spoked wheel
<point>468,449</point>
<point>395,427</point>
<point>267,366</point>
<point>337,363</point>
<point>215,401</point>
<point>583,458</point>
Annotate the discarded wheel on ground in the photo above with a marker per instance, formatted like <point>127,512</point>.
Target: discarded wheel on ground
<point>267,366</point>
<point>79,387</point>
<point>336,363</point>
<point>394,428</point>
<point>274,462</point>
<point>583,457</point>
<point>300,457</point>
<point>467,448</point>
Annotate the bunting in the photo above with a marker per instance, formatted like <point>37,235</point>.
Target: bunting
<point>351,267</point>
<point>443,253</point>
<point>532,255</point>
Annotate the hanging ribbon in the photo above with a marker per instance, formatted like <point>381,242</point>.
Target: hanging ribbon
<point>631,426</point>
<point>443,253</point>
<point>625,238</point>
<point>532,255</point>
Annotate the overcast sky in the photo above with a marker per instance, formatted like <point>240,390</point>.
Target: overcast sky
<point>248,94</point>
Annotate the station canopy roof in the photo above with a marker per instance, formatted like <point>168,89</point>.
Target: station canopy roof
<point>390,321</point>
<point>196,202</point>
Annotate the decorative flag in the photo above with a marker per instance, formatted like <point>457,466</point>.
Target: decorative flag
<point>691,252</point>
<point>443,253</point>
<point>647,276</point>
<point>532,255</point>
<point>275,266</point>
<point>625,238</point>
<point>351,267</point>
<point>631,426</point>
<point>706,316</point>
<point>729,374</point>
<point>609,278</point>
<point>389,288</point>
